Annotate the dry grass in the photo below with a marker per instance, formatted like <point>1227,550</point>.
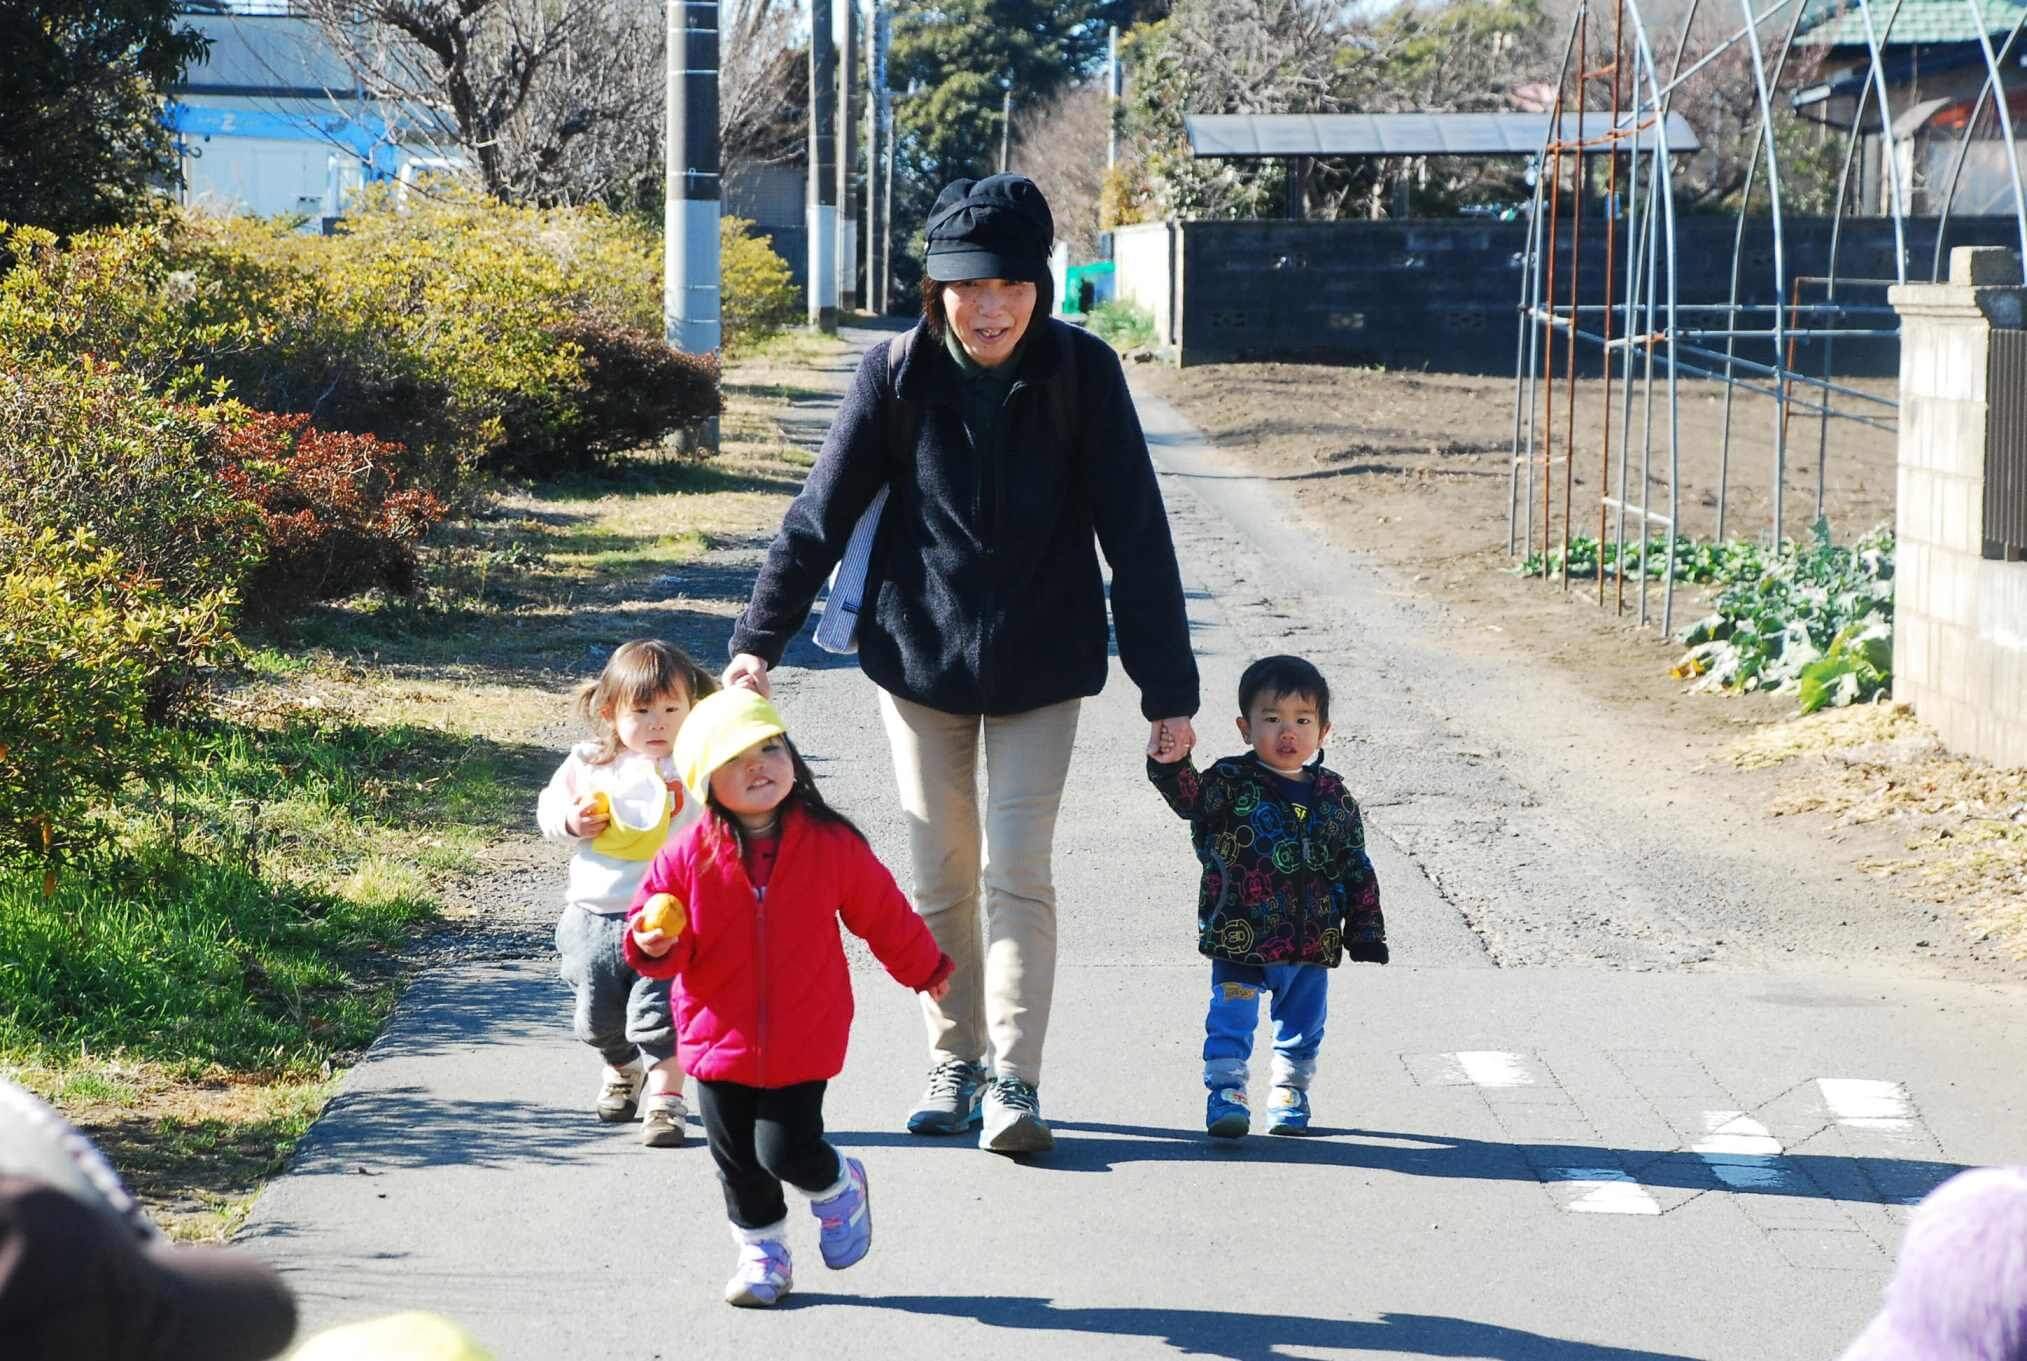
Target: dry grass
<point>1965,822</point>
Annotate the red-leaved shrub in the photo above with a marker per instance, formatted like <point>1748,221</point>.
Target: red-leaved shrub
<point>334,514</point>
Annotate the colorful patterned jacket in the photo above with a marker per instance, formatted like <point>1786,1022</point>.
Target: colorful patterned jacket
<point>1277,888</point>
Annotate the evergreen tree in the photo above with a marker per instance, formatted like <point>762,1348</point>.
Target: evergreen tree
<point>81,133</point>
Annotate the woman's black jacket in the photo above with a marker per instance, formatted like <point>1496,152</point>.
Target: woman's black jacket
<point>985,595</point>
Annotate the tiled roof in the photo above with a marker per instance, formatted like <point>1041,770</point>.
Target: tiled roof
<point>1833,23</point>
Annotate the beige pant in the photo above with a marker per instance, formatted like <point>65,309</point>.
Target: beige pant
<point>1005,974</point>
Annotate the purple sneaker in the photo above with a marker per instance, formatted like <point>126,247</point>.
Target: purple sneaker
<point>847,1219</point>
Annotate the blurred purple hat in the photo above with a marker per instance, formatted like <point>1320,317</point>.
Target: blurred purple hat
<point>1959,1291</point>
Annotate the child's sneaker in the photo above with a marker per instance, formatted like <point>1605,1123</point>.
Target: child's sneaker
<point>1010,1119</point>
<point>619,1091</point>
<point>662,1117</point>
<point>847,1219</point>
<point>764,1275</point>
<point>1226,1114</point>
<point>1288,1111</point>
<point>950,1106</point>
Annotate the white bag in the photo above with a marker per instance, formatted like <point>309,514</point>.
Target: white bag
<point>837,629</point>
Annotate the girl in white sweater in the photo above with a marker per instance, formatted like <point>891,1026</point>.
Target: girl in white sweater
<point>617,798</point>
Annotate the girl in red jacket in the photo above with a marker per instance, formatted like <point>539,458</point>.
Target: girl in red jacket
<point>742,911</point>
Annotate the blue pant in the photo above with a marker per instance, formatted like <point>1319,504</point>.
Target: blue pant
<point>1300,995</point>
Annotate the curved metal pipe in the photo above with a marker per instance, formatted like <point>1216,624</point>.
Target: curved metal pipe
<point>1935,269</point>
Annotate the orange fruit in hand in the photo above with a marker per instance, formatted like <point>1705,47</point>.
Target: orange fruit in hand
<point>664,913</point>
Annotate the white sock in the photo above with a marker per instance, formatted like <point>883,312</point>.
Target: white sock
<point>770,1233</point>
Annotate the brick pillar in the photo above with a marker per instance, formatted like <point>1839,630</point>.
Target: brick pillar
<point>1959,655</point>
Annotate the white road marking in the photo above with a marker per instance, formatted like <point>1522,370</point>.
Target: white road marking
<point>1741,1153</point>
<point>1865,1103</point>
<point>1602,1190</point>
<point>1492,1068</point>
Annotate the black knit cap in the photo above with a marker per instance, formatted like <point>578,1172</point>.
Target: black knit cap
<point>999,227</point>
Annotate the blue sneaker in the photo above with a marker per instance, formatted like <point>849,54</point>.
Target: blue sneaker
<point>1288,1111</point>
<point>763,1276</point>
<point>847,1219</point>
<point>1226,1113</point>
<point>950,1106</point>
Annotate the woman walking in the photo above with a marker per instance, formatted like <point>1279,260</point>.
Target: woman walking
<point>1006,441</point>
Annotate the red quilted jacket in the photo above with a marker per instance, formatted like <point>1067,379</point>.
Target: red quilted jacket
<point>762,993</point>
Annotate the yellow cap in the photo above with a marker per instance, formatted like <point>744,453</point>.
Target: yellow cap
<point>397,1337</point>
<point>718,729</point>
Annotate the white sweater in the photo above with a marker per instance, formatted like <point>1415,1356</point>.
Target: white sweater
<point>601,883</point>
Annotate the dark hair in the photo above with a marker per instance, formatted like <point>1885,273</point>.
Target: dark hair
<point>637,673</point>
<point>1284,675</point>
<point>802,793</point>
<point>935,323</point>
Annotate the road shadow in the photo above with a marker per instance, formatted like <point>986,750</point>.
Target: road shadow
<point>1083,1146</point>
<point>1251,1337</point>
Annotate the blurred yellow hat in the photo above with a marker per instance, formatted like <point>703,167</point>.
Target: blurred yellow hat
<point>413,1336</point>
<point>718,729</point>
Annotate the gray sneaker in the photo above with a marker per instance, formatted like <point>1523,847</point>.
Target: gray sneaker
<point>950,1106</point>
<point>1011,1119</point>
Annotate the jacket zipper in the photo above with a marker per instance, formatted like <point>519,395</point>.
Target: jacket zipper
<point>760,981</point>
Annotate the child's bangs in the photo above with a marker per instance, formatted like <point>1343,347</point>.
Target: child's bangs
<point>647,675</point>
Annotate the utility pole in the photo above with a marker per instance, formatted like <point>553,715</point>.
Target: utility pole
<point>823,211</point>
<point>847,36</point>
<point>690,316</point>
<point>1005,123</point>
<point>875,301</point>
<point>1112,92</point>
<point>883,38</point>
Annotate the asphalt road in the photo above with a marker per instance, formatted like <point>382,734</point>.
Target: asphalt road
<point>1555,1127</point>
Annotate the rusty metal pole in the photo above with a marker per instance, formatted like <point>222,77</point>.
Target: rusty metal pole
<point>1576,278</point>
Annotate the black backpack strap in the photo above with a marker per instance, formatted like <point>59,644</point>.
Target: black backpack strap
<point>903,419</point>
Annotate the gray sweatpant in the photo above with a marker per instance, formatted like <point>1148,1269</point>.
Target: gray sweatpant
<point>618,1012</point>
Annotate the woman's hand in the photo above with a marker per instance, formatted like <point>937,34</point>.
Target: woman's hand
<point>1170,739</point>
<point>749,671</point>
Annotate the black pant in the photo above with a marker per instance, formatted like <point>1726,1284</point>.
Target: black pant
<point>764,1136</point>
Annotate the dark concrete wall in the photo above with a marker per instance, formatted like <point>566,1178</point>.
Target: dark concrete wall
<point>1445,294</point>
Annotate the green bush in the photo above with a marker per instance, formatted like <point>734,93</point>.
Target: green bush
<point>85,647</point>
<point>466,331</point>
<point>1123,325</point>
<point>757,295</point>
<point>86,447</point>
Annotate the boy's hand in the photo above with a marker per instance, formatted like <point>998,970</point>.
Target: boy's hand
<point>654,944</point>
<point>590,817</point>
<point>1170,740</point>
<point>937,991</point>
<point>1367,951</point>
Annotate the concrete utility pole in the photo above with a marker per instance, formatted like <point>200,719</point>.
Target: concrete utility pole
<point>1113,89</point>
<point>883,37</point>
<point>823,211</point>
<point>847,36</point>
<point>690,316</point>
<point>874,301</point>
<point>1005,124</point>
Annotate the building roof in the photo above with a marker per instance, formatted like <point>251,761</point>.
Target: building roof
<point>1841,23</point>
<point>264,55</point>
<point>1405,134</point>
